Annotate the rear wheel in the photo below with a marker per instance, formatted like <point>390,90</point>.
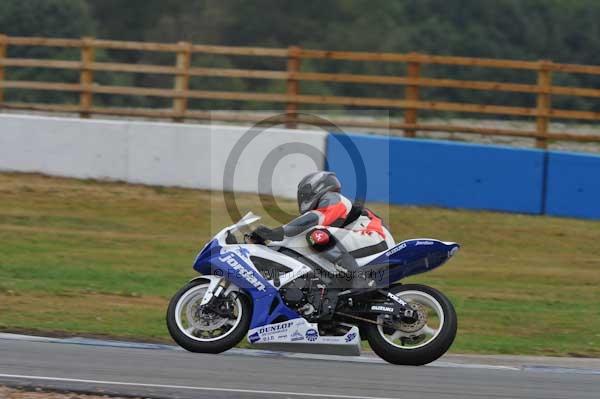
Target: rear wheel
<point>422,339</point>
<point>207,329</point>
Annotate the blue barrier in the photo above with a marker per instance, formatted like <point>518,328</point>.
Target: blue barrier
<point>573,185</point>
<point>346,154</point>
<point>439,173</point>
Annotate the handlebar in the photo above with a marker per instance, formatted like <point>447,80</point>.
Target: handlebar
<point>249,238</point>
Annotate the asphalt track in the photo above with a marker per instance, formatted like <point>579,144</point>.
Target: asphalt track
<point>163,371</point>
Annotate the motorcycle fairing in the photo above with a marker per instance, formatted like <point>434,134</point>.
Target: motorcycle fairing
<point>408,258</point>
<point>298,333</point>
<point>232,263</point>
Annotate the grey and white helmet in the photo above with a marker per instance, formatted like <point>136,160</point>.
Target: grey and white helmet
<point>313,186</point>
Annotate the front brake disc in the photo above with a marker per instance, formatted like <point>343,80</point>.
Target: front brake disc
<point>203,319</point>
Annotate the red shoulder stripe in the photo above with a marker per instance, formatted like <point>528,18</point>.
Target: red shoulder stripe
<point>375,225</point>
<point>331,213</point>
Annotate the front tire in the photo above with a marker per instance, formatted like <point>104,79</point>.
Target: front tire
<point>423,345</point>
<point>198,330</point>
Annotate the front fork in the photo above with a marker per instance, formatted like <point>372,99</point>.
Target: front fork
<point>217,285</point>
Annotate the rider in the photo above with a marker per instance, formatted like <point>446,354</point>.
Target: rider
<point>352,230</point>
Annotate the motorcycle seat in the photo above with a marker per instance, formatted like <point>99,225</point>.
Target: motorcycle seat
<point>370,250</point>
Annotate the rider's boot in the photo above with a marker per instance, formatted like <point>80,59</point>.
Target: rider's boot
<point>359,282</point>
<point>350,276</point>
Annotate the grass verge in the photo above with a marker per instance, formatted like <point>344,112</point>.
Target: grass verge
<point>104,258</point>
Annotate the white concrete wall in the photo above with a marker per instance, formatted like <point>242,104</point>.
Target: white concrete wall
<point>151,153</point>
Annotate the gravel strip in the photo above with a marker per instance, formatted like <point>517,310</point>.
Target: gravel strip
<point>11,393</point>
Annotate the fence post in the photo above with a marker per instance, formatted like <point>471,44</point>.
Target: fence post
<point>293,87</point>
<point>3,46</point>
<point>86,77</point>
<point>182,80</point>
<point>411,93</point>
<point>544,103</point>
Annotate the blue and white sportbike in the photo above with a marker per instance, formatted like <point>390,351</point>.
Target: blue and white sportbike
<point>284,296</point>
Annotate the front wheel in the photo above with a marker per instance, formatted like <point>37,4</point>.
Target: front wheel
<point>207,329</point>
<point>422,339</point>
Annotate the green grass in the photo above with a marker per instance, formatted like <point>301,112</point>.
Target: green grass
<point>104,258</point>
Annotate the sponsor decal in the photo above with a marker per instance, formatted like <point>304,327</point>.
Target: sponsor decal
<point>245,273</point>
<point>319,237</point>
<point>296,336</point>
<point>382,308</point>
<point>275,328</point>
<point>350,337</point>
<point>243,252</point>
<point>312,335</point>
<point>254,338</point>
<point>424,243</point>
<point>396,249</point>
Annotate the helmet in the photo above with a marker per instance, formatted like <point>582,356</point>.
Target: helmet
<point>312,187</point>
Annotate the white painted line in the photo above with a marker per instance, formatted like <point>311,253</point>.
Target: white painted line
<point>139,384</point>
<point>87,341</point>
<point>560,370</point>
<point>19,337</point>
<point>440,363</point>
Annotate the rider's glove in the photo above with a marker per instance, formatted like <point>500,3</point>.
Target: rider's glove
<point>263,233</point>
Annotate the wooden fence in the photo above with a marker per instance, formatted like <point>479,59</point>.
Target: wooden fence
<point>293,76</point>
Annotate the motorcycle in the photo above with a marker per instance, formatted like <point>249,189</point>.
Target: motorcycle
<point>284,296</point>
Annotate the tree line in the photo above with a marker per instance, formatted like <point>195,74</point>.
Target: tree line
<point>559,30</point>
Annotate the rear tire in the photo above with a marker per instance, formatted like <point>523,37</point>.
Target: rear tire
<point>214,345</point>
<point>417,356</point>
